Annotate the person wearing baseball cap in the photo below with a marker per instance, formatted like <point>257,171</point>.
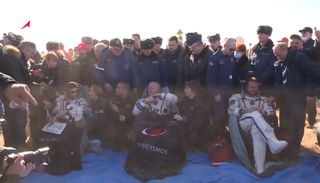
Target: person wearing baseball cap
<point>306,33</point>
<point>311,49</point>
<point>284,40</point>
<point>117,64</point>
<point>152,66</point>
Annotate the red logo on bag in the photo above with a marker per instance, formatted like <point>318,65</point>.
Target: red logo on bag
<point>154,131</point>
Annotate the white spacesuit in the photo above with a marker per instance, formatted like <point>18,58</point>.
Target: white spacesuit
<point>251,111</point>
<point>163,104</point>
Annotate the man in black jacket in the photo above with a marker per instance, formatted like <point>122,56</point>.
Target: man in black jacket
<point>294,73</point>
<point>196,67</point>
<point>297,44</point>
<point>19,93</point>
<point>14,63</point>
<point>175,58</point>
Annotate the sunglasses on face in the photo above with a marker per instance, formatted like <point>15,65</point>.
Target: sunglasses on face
<point>74,91</point>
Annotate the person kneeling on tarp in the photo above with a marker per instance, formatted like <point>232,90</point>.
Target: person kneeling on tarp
<point>252,109</point>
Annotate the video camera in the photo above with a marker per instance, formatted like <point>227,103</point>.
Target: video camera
<point>38,157</point>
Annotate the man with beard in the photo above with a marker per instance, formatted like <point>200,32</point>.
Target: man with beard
<point>253,111</point>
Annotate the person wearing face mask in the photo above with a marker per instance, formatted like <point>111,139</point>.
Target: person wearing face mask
<point>241,65</point>
<point>221,80</point>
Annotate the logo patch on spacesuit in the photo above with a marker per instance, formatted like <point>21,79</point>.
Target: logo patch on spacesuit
<point>232,102</point>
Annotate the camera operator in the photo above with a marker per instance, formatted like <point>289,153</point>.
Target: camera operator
<point>13,173</point>
<point>19,93</point>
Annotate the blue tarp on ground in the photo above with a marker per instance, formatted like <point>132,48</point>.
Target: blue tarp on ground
<point>107,167</point>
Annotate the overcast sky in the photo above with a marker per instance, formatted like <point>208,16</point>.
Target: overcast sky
<point>67,21</point>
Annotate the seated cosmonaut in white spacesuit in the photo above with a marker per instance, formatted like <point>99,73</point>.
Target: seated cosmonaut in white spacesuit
<point>251,110</point>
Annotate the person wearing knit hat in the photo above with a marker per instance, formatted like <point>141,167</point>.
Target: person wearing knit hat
<point>12,39</point>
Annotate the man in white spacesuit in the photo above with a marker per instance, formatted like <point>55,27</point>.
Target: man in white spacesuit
<point>156,102</point>
<point>252,109</point>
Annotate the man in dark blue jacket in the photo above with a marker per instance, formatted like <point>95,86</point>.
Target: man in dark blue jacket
<point>175,57</point>
<point>117,64</point>
<point>152,66</point>
<point>294,73</point>
<point>297,44</point>
<point>221,80</point>
<point>262,58</point>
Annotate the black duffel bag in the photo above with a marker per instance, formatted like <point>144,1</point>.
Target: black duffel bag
<point>157,151</point>
<point>64,154</point>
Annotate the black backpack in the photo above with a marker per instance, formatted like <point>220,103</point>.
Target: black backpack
<point>157,151</point>
<point>64,154</point>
